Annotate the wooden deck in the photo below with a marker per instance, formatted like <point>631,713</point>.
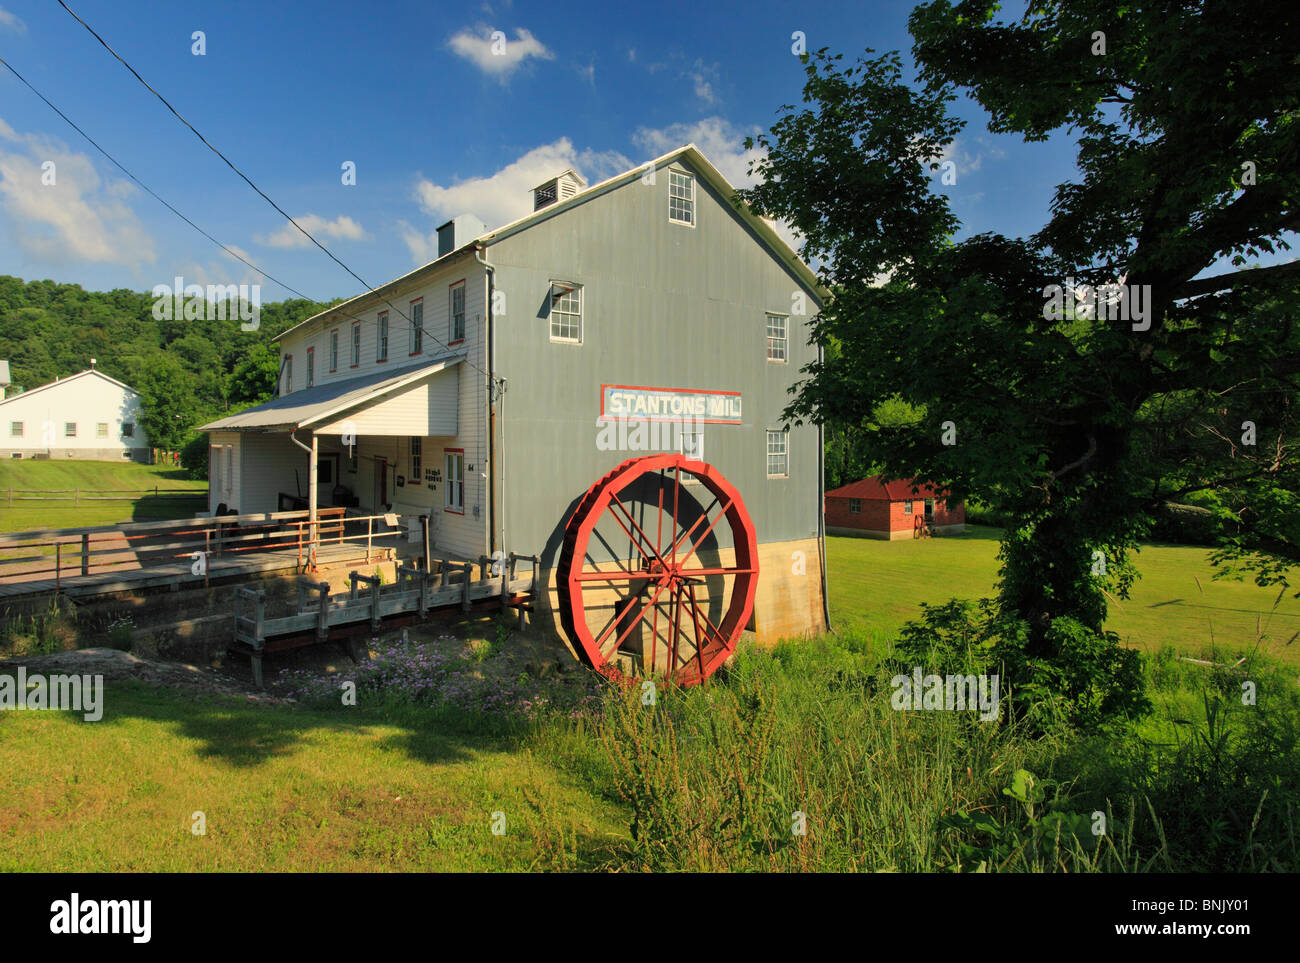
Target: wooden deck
<point>180,573</point>
<point>416,595</point>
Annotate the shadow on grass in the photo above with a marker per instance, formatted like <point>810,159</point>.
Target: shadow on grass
<point>247,734</point>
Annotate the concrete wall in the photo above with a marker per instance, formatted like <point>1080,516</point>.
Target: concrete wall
<point>664,305</point>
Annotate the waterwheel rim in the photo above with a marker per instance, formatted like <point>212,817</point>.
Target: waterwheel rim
<point>645,586</point>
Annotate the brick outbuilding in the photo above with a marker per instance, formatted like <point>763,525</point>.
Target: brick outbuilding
<point>898,509</point>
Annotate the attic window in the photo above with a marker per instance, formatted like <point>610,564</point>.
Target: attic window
<point>546,194</point>
<point>681,198</point>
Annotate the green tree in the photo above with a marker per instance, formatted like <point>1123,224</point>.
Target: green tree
<point>169,408</point>
<point>255,375</point>
<point>1077,425</point>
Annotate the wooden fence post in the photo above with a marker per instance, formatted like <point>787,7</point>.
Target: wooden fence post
<point>469,577</point>
<point>85,553</point>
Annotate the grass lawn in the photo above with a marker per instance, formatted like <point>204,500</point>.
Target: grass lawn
<point>876,586</point>
<point>281,788</point>
<point>48,475</point>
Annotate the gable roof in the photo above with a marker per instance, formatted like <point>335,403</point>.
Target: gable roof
<point>64,381</point>
<point>690,153</point>
<point>902,489</point>
<point>324,402</point>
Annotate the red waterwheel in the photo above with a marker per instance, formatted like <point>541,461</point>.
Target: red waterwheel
<point>658,571</point>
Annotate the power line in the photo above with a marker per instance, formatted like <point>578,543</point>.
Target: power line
<point>120,166</point>
<point>370,289</point>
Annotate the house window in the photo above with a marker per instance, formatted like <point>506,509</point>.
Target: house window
<point>778,454</point>
<point>356,343</point>
<point>70,429</point>
<point>453,498</point>
<point>855,506</point>
<point>101,429</point>
<point>16,429</point>
<point>288,374</point>
<point>693,445</point>
<point>456,312</point>
<point>681,198</point>
<point>776,337</point>
<point>311,367</point>
<point>417,466</point>
<point>334,350</point>
<point>417,325</point>
<point>907,508</point>
<point>566,312</point>
<point>128,429</point>
<point>381,339</point>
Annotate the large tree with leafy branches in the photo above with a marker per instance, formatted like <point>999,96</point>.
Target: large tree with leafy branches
<point>1078,426</point>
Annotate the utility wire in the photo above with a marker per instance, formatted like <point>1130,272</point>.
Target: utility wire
<point>161,200</point>
<point>370,289</point>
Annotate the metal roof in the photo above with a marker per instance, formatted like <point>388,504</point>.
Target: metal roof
<point>767,234</point>
<point>61,382</point>
<point>301,409</point>
<point>900,489</point>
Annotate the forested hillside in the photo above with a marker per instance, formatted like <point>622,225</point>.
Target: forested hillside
<point>186,370</point>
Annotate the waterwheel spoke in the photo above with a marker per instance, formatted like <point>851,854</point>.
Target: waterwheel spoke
<point>636,542</point>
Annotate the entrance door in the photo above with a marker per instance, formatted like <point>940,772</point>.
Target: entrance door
<point>381,484</point>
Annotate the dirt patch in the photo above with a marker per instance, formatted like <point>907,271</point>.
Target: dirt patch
<point>116,666</point>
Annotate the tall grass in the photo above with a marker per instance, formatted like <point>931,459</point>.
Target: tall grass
<point>796,761</point>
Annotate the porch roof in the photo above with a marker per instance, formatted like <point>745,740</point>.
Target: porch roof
<point>324,403</point>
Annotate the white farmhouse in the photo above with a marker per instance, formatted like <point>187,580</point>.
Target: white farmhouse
<point>87,416</point>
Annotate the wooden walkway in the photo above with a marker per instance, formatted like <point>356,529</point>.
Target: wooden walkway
<point>181,572</point>
<point>417,593</point>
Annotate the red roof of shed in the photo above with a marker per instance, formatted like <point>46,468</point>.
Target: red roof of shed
<point>894,491</point>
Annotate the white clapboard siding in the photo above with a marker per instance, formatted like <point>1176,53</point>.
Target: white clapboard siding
<point>427,409</point>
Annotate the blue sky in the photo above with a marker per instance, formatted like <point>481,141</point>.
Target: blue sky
<point>411,93</point>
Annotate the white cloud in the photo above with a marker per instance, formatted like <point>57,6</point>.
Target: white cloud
<point>491,52</point>
<point>9,21</point>
<point>704,77</point>
<point>506,195</point>
<point>341,228</point>
<point>77,218</point>
<point>723,143</point>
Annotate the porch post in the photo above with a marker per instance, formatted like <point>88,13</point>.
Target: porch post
<point>311,497</point>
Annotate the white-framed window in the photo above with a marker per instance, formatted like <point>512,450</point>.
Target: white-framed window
<point>288,374</point>
<point>15,429</point>
<point>907,508</point>
<point>381,338</point>
<point>778,454</point>
<point>855,506</point>
<point>70,429</point>
<point>566,312</point>
<point>334,350</point>
<point>417,326</point>
<point>777,337</point>
<point>101,429</point>
<point>681,197</point>
<point>692,445</point>
<point>453,489</point>
<point>417,463</point>
<point>356,343</point>
<point>456,312</point>
<point>128,429</point>
<point>311,367</point>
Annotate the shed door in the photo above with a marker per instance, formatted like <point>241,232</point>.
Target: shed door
<point>381,484</point>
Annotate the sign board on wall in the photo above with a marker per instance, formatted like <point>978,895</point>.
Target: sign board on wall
<point>618,402</point>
